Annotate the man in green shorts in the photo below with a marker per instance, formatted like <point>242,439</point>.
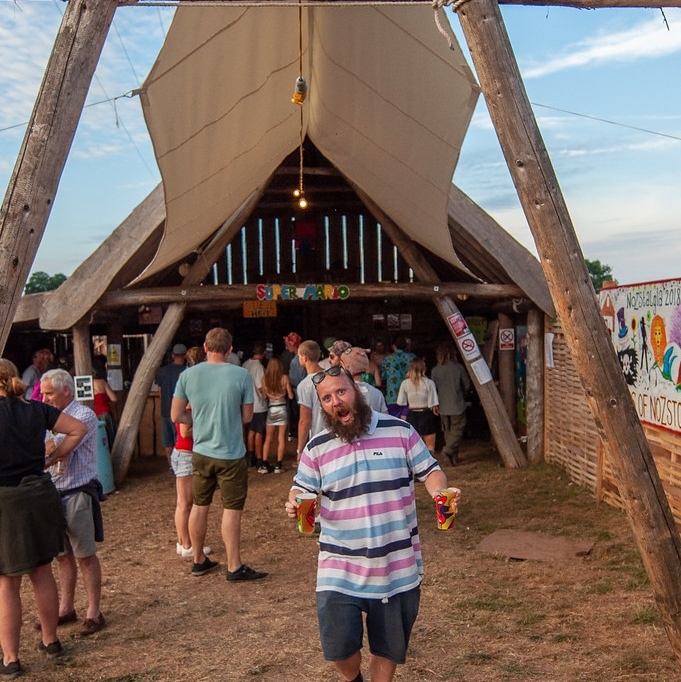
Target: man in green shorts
<point>221,399</point>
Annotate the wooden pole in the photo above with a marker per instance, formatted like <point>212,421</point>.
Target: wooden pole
<point>507,371</point>
<point>500,427</point>
<point>128,428</point>
<point>534,376</point>
<point>563,262</point>
<point>82,353</point>
<point>33,185</point>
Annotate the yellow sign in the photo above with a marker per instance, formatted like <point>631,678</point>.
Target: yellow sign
<point>260,309</point>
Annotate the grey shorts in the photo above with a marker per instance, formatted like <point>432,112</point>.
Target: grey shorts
<point>388,624</point>
<point>181,462</point>
<point>277,415</point>
<point>80,526</point>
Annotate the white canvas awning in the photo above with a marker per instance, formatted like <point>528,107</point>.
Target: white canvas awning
<point>389,104</point>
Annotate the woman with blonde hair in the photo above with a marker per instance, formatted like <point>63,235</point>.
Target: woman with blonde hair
<point>419,393</point>
<point>30,509</point>
<point>276,387</point>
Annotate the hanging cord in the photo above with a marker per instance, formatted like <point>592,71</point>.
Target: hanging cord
<point>438,9</point>
<point>300,74</point>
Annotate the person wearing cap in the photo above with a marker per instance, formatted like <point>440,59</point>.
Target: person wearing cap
<point>356,362</point>
<point>337,349</point>
<point>166,378</point>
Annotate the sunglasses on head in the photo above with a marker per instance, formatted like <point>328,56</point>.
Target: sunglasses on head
<point>334,371</point>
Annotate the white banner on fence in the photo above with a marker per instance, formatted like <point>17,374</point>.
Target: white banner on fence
<point>644,321</point>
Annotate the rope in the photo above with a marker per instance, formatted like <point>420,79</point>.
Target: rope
<point>438,11</point>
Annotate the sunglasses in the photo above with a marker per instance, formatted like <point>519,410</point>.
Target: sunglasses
<point>334,371</point>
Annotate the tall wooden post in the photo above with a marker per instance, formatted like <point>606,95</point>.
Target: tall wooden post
<point>128,428</point>
<point>507,371</point>
<point>499,424</point>
<point>534,375</point>
<point>82,353</point>
<point>563,262</point>
<point>46,145</point>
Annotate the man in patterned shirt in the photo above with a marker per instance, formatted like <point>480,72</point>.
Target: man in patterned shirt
<point>364,465</point>
<point>77,480</point>
<point>393,372</point>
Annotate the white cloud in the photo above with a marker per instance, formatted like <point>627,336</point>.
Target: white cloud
<point>650,39</point>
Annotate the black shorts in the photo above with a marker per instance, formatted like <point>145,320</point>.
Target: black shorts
<point>424,421</point>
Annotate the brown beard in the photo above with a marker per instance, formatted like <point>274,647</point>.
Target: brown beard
<point>358,427</point>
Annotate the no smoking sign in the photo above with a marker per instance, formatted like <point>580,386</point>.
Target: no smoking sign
<point>506,339</point>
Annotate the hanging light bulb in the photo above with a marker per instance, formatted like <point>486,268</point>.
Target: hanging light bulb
<point>300,91</point>
<point>302,201</point>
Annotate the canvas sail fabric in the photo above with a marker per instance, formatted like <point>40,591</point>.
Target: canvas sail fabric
<point>388,104</point>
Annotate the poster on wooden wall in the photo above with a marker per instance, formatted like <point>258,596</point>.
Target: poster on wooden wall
<point>644,321</point>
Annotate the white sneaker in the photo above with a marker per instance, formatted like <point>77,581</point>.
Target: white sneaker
<point>189,553</point>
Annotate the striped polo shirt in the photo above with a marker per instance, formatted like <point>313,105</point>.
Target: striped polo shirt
<point>369,541</point>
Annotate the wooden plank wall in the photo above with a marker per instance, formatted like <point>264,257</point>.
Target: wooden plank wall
<point>572,442</point>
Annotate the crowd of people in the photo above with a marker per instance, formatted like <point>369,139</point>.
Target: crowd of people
<point>364,422</point>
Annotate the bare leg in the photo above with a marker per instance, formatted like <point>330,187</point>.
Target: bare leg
<point>259,440</point>
<point>281,442</point>
<point>68,575</point>
<point>183,507</point>
<point>269,437</point>
<point>429,440</point>
<point>92,579</point>
<point>198,522</point>
<point>46,601</point>
<point>381,669</point>
<point>349,668</point>
<point>10,617</point>
<point>231,536</point>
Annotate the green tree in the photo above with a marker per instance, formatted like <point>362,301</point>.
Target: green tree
<point>599,273</point>
<point>41,281</point>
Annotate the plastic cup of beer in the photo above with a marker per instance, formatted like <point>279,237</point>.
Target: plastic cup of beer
<point>445,507</point>
<point>307,503</point>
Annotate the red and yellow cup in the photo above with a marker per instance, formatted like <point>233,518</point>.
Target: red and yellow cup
<point>307,502</point>
<point>445,507</point>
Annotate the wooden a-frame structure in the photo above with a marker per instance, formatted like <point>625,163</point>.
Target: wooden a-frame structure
<point>50,132</point>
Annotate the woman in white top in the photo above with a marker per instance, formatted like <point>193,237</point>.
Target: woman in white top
<point>419,393</point>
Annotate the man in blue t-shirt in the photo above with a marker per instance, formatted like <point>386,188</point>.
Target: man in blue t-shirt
<point>221,399</point>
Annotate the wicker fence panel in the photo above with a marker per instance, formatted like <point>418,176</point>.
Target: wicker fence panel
<point>572,441</point>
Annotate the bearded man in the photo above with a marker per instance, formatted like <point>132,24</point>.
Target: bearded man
<point>364,465</point>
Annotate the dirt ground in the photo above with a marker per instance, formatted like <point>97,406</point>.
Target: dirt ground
<point>483,617</point>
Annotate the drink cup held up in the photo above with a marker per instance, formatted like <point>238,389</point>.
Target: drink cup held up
<point>307,503</point>
<point>445,507</point>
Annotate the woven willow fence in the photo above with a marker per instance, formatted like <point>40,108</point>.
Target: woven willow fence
<point>572,442</point>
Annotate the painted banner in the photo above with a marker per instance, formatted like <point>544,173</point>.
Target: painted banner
<point>644,321</point>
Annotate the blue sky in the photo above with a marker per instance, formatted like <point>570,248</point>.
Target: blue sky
<point>622,185</point>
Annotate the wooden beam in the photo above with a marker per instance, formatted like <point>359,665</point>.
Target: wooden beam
<point>594,357</point>
<point>520,265</point>
<point>78,294</point>
<point>33,185</point>
<point>128,427</point>
<point>595,4</point>
<point>219,293</point>
<point>500,427</point>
